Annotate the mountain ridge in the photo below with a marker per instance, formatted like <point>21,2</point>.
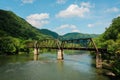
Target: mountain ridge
<point>15,26</point>
<point>76,35</point>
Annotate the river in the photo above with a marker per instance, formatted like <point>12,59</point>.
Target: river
<point>47,67</point>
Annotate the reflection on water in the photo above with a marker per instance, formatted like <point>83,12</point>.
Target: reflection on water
<point>47,67</point>
<point>60,64</point>
<point>35,57</point>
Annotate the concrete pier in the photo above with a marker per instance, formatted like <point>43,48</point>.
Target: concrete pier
<point>60,55</point>
<point>98,61</point>
<point>36,51</point>
<point>35,57</point>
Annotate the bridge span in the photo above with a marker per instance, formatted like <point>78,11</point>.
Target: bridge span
<point>86,44</point>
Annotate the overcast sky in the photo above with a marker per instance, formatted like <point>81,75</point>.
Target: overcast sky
<point>65,16</point>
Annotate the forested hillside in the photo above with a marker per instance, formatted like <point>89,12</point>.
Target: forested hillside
<point>76,35</point>
<point>73,35</point>
<point>14,26</point>
<point>49,33</point>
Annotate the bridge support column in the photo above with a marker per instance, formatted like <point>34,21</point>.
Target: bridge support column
<point>60,54</point>
<point>98,61</point>
<point>36,51</point>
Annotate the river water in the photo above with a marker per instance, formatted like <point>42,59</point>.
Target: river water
<point>47,67</point>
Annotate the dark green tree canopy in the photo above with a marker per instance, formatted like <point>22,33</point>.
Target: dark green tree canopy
<point>114,30</point>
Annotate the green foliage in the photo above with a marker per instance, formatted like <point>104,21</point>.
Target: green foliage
<point>110,45</point>
<point>74,35</point>
<point>8,45</point>
<point>114,30</point>
<point>116,67</point>
<point>110,39</point>
<point>78,35</point>
<point>14,32</point>
<point>50,33</point>
<point>99,41</point>
<point>13,25</point>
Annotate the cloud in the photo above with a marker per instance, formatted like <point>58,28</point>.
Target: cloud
<point>85,4</point>
<point>75,30</point>
<point>114,9</point>
<point>38,20</point>
<point>75,10</point>
<point>94,24</point>
<point>90,25</point>
<point>67,27</point>
<point>99,24</point>
<point>27,1</point>
<point>61,1</point>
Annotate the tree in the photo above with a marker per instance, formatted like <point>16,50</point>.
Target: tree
<point>9,45</point>
<point>113,31</point>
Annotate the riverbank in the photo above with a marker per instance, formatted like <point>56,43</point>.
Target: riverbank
<point>109,70</point>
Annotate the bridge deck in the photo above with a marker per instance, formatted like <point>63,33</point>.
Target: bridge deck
<point>65,48</point>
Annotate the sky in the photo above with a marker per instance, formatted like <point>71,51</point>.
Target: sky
<point>66,16</point>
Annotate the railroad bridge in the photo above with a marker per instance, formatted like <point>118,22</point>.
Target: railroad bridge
<point>86,44</point>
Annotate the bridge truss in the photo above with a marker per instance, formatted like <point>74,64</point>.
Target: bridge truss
<point>86,44</point>
<point>73,44</point>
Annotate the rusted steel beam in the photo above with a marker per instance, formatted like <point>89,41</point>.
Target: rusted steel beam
<point>94,45</point>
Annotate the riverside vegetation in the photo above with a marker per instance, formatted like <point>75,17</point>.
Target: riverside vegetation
<point>15,32</point>
<point>110,39</point>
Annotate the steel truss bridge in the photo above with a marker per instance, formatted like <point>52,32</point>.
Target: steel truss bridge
<point>86,44</point>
